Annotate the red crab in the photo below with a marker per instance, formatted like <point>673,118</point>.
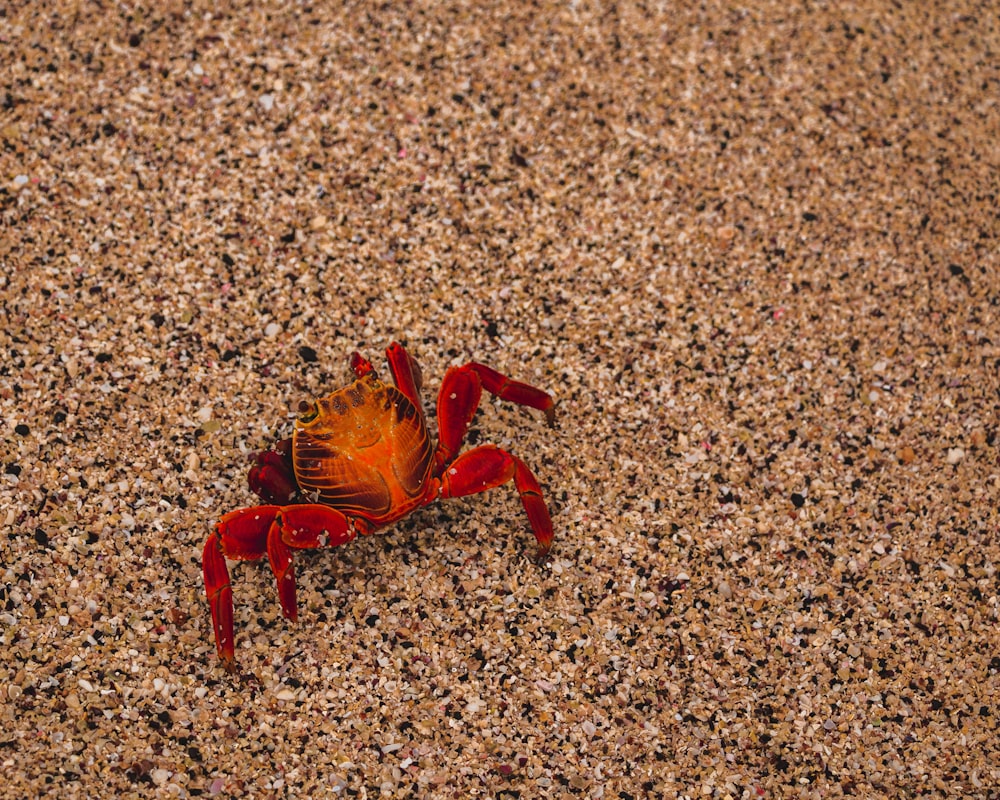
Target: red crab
<point>358,460</point>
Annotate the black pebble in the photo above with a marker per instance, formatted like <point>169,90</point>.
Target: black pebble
<point>307,354</point>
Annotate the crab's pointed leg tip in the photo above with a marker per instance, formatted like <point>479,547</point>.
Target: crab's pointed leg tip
<point>228,663</point>
<point>550,415</point>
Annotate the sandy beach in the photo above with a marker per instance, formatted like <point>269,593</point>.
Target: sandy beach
<point>751,252</point>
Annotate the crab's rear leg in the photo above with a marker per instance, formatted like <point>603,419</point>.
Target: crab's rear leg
<point>487,467</point>
<point>461,391</point>
<point>524,394</point>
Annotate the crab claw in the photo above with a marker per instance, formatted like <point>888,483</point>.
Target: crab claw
<point>272,478</point>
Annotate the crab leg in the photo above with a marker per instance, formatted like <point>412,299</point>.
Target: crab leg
<point>239,535</point>
<point>524,394</point>
<point>248,534</point>
<point>303,527</point>
<point>461,391</point>
<point>405,372</point>
<point>487,467</point>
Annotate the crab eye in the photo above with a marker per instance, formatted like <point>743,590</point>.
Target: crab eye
<point>308,411</point>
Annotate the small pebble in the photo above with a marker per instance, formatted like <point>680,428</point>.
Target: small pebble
<point>159,776</point>
<point>726,233</point>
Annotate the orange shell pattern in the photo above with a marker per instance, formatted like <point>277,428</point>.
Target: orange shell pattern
<point>363,449</point>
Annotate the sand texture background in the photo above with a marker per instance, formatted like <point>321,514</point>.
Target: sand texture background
<point>753,251</point>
